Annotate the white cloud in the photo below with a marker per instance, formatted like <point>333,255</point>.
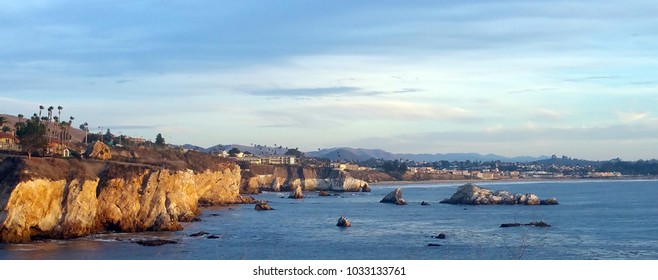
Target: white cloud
<point>629,117</point>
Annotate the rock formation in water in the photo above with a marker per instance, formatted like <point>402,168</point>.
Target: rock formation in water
<point>475,195</point>
<point>343,222</point>
<point>262,205</point>
<point>57,198</point>
<point>297,194</point>
<point>534,224</point>
<point>288,178</point>
<point>394,197</point>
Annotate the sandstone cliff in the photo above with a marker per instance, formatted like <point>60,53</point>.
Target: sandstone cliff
<point>288,178</point>
<point>56,198</point>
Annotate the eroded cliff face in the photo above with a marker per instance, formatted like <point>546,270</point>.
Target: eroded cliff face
<point>54,198</point>
<point>288,178</point>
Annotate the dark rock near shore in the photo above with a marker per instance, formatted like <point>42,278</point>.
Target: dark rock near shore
<point>425,203</point>
<point>343,222</point>
<point>441,236</point>
<point>324,193</point>
<point>155,242</point>
<point>262,205</point>
<point>214,236</point>
<point>365,188</point>
<point>474,195</point>
<point>394,197</point>
<point>196,219</point>
<point>200,233</point>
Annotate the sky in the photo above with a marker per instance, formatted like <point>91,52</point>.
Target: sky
<point>575,78</point>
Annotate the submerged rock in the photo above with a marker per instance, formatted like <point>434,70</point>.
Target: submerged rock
<point>200,233</point>
<point>441,236</point>
<point>394,197</point>
<point>425,203</point>
<point>534,224</point>
<point>433,245</point>
<point>365,188</point>
<point>297,194</point>
<point>343,222</point>
<point>474,195</point>
<point>324,193</point>
<point>155,242</point>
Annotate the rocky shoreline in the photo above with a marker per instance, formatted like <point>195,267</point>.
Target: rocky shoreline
<point>69,198</point>
<point>55,198</point>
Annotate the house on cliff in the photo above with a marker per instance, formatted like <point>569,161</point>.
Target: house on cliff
<point>8,142</point>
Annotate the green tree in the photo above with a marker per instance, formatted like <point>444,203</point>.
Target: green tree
<point>233,152</point>
<point>159,140</point>
<point>3,120</point>
<point>32,136</point>
<point>294,152</point>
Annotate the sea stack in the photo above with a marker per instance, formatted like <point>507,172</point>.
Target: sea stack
<point>297,194</point>
<point>394,197</point>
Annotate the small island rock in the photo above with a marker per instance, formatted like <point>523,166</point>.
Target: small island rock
<point>394,197</point>
<point>474,195</point>
<point>343,222</point>
<point>262,205</point>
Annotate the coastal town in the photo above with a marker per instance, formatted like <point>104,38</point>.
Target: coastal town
<point>57,138</point>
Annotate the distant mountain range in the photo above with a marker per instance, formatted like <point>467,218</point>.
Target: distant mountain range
<point>360,154</point>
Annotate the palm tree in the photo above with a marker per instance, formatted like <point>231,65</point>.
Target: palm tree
<point>85,127</point>
<point>40,108</point>
<point>3,120</point>
<point>59,111</point>
<point>20,117</point>
<point>59,127</point>
<point>68,128</point>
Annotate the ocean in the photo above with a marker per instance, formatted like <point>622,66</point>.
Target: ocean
<point>608,220</point>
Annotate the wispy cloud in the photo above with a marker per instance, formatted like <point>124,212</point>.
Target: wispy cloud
<point>532,90</point>
<point>310,92</point>
<point>592,78</point>
<point>629,117</point>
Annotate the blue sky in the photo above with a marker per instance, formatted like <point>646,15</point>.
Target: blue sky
<point>576,78</point>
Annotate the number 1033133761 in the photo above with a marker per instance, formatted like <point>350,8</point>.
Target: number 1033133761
<point>376,270</point>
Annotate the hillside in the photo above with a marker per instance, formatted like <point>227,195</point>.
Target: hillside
<point>352,154</point>
<point>76,134</point>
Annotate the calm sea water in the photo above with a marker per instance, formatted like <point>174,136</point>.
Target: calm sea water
<point>595,220</point>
